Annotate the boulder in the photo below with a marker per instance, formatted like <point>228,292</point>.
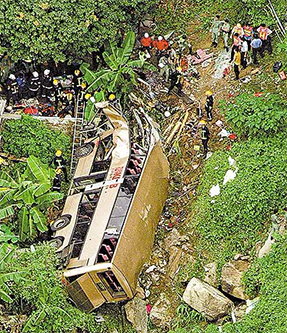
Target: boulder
<point>210,274</point>
<point>160,312</point>
<point>239,311</point>
<point>231,277</point>
<point>137,314</point>
<point>206,299</point>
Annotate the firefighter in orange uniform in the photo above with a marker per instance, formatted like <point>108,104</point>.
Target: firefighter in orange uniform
<point>161,45</point>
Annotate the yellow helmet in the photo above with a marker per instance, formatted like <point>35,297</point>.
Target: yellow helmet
<point>55,81</point>
<point>238,25</point>
<point>77,72</point>
<point>202,122</point>
<point>208,93</point>
<point>83,85</point>
<point>69,96</point>
<point>112,97</point>
<point>88,96</point>
<point>58,153</point>
<point>179,69</point>
<point>58,171</point>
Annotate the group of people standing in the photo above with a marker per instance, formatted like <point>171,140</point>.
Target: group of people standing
<point>244,39</point>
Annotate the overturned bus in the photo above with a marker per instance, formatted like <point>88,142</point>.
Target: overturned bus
<point>106,230</point>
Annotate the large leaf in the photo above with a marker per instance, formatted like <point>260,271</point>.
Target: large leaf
<point>102,77</point>
<point>26,227</point>
<point>89,111</point>
<point>7,180</point>
<point>39,219</point>
<point>111,61</point>
<point>127,47</point>
<point>41,189</point>
<point>49,197</point>
<point>26,195</point>
<point>37,168</point>
<point>7,211</point>
<point>6,197</point>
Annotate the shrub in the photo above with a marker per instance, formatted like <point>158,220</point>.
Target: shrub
<point>238,216</point>
<point>30,136</point>
<point>256,116</point>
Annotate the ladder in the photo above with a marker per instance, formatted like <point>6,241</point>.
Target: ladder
<point>78,136</point>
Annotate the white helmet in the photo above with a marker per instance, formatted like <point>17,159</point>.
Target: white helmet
<point>12,77</point>
<point>35,74</point>
<point>160,38</point>
<point>146,35</point>
<point>46,72</point>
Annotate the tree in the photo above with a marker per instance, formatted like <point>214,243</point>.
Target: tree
<point>119,77</point>
<point>60,29</point>
<point>28,196</point>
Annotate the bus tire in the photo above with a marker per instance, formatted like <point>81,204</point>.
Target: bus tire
<point>57,242</point>
<point>61,222</point>
<point>84,150</point>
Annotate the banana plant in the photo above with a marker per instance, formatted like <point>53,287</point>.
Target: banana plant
<point>28,197</point>
<point>6,252</point>
<point>119,77</point>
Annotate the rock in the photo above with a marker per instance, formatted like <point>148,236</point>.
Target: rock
<point>136,314</point>
<point>174,261</point>
<point>206,299</point>
<point>231,276</point>
<point>140,293</point>
<point>239,311</point>
<point>240,256</point>
<point>210,274</point>
<point>172,239</point>
<point>159,314</point>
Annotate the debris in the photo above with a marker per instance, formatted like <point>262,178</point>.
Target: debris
<point>230,175</point>
<point>215,190</point>
<point>151,269</point>
<point>219,123</point>
<point>99,319</point>
<point>209,154</point>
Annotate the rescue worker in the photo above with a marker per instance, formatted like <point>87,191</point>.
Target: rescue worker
<point>256,46</point>
<point>68,103</point>
<point>237,61</point>
<point>77,81</point>
<point>47,84</point>
<point>21,79</point>
<point>183,46</point>
<point>244,54</point>
<point>264,35</point>
<point>146,42</point>
<point>60,163</point>
<point>161,45</point>
<point>225,28</point>
<point>209,104</point>
<point>114,101</point>
<point>12,89</point>
<point>215,30</point>
<point>176,80</point>
<point>237,30</point>
<point>57,181</point>
<point>204,135</point>
<point>34,85</point>
<point>248,34</point>
<point>236,42</point>
<point>58,90</point>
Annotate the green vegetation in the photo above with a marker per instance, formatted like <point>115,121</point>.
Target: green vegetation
<point>256,116</point>
<point>41,296</point>
<point>30,136</point>
<point>61,30</point>
<point>28,197</point>
<point>119,77</point>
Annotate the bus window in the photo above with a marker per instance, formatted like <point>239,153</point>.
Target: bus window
<point>112,284</point>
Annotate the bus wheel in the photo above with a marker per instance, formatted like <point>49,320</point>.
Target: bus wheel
<point>57,242</point>
<point>61,222</point>
<point>84,150</point>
